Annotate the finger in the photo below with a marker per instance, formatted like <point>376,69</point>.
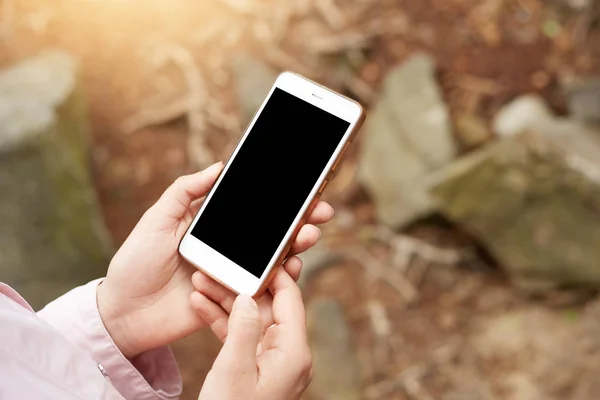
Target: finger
<point>321,214</point>
<point>307,237</point>
<point>176,200</point>
<point>225,298</point>
<point>214,316</point>
<point>214,291</point>
<point>192,211</point>
<point>288,314</point>
<point>244,333</point>
<point>293,266</point>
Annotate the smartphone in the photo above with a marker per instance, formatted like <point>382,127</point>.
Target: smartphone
<point>268,187</point>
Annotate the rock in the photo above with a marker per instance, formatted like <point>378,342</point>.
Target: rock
<point>533,200</point>
<point>52,237</point>
<point>335,366</point>
<point>31,91</point>
<point>406,137</point>
<point>472,131</point>
<point>315,259</point>
<point>583,97</point>
<point>253,80</point>
<point>578,5</point>
<point>520,114</point>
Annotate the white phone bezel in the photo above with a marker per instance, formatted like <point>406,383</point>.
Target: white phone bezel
<point>217,265</point>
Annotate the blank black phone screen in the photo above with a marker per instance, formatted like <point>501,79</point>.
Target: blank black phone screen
<point>269,180</point>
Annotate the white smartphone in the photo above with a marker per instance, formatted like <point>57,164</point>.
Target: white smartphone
<point>267,189</point>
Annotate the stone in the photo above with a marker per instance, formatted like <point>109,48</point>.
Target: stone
<point>335,365</point>
<point>253,80</point>
<point>520,115</point>
<point>578,5</point>
<point>407,136</point>
<point>315,259</point>
<point>472,131</point>
<point>533,200</point>
<point>583,98</point>
<point>31,91</point>
<point>52,237</point>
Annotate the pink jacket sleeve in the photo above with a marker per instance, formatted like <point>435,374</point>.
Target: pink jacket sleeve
<point>150,376</point>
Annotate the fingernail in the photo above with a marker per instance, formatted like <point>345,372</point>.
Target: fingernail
<point>246,303</point>
<point>320,233</point>
<point>214,167</point>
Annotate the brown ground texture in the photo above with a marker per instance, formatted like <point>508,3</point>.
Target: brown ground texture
<point>487,52</point>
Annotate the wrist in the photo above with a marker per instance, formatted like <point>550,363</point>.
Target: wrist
<point>115,323</point>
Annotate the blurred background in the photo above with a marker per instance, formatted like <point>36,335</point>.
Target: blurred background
<point>464,258</point>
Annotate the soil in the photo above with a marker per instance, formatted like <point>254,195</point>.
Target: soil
<point>488,52</point>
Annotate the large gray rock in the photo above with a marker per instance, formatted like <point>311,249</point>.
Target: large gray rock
<point>253,80</point>
<point>335,366</point>
<point>521,114</point>
<point>52,235</point>
<point>407,136</point>
<point>533,200</point>
<point>583,97</point>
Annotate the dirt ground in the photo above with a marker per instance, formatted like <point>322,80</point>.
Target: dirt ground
<point>487,53</point>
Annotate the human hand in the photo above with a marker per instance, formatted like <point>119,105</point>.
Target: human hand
<point>145,300</point>
<point>273,366</point>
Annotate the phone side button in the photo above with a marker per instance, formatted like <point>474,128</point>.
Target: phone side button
<point>322,188</point>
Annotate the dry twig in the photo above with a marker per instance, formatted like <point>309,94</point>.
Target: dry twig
<point>156,115</point>
<point>230,123</point>
<point>475,84</point>
<point>331,13</point>
<point>383,346</point>
<point>356,85</point>
<point>410,379</point>
<point>406,247</point>
<point>197,100</point>
<point>212,31</point>
<point>379,319</point>
<point>282,60</point>
<point>192,105</point>
<point>195,84</point>
<point>340,43</point>
<point>282,16</point>
<point>247,7</point>
<point>377,269</point>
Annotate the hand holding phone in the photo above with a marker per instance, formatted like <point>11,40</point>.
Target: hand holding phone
<point>144,301</point>
<point>275,176</point>
<point>281,355</point>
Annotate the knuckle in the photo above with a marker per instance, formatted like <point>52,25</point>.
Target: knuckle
<point>249,320</point>
<point>173,189</point>
<point>308,377</point>
<point>223,336</point>
<point>179,182</point>
<point>202,283</point>
<point>305,364</point>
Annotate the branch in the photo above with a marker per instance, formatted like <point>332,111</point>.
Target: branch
<point>192,105</point>
<point>392,277</point>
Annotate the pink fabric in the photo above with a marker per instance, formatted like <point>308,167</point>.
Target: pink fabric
<point>55,354</point>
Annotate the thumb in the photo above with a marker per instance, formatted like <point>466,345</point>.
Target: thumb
<point>244,334</point>
<point>178,198</point>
